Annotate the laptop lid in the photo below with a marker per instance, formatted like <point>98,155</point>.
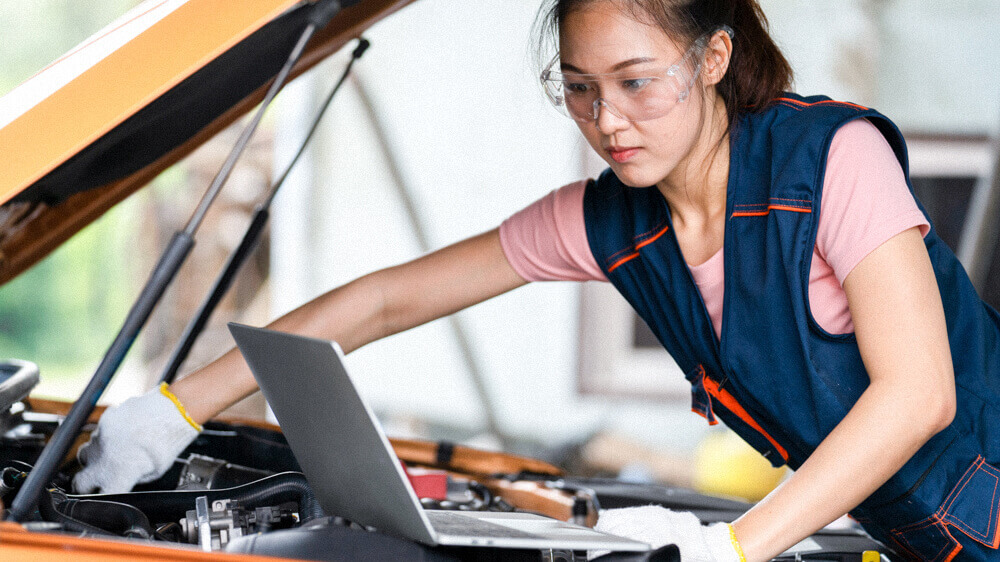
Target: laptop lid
<point>335,436</point>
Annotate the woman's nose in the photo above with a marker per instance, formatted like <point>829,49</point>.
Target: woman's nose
<point>607,118</point>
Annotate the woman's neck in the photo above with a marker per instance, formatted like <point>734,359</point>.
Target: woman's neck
<point>696,189</point>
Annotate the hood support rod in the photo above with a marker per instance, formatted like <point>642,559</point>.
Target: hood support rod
<point>250,238</point>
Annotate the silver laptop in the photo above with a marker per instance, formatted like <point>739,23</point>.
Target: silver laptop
<point>353,469</point>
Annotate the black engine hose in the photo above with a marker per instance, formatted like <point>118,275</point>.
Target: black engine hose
<point>48,511</point>
<point>280,492</point>
<point>172,505</point>
<point>120,518</point>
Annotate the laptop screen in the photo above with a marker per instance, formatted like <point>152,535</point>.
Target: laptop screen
<point>334,435</point>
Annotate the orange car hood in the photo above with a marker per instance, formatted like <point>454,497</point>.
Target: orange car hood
<point>106,118</point>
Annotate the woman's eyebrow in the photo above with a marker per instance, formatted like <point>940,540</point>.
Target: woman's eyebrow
<point>615,68</point>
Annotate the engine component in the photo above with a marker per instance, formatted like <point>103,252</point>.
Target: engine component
<point>10,480</point>
<point>214,528</point>
<point>206,473</point>
<point>463,495</point>
<point>23,429</point>
<point>562,556</point>
<point>85,516</point>
<point>118,518</point>
<point>172,505</point>
<point>47,508</point>
<point>17,378</point>
<point>586,506</point>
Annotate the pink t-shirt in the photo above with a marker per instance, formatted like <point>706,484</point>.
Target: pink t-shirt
<point>865,203</point>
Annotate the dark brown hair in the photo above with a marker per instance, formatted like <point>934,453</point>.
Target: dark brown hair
<point>758,72</point>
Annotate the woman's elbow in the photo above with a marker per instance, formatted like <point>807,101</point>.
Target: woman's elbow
<point>945,411</point>
<point>927,407</point>
<point>940,407</point>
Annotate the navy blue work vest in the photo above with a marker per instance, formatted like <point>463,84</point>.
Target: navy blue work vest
<point>776,377</point>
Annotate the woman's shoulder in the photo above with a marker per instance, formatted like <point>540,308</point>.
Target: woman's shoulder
<point>802,103</point>
<point>547,240</point>
<point>793,113</point>
<point>861,139</point>
<point>865,200</point>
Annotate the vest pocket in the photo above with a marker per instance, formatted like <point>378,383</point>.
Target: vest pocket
<point>972,507</point>
<point>928,539</point>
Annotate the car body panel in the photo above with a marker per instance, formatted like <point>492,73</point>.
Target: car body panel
<point>62,126</point>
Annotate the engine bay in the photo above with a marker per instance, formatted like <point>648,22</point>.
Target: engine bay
<point>238,488</point>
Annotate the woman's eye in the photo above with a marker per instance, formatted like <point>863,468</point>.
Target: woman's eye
<point>635,84</point>
<point>576,88</point>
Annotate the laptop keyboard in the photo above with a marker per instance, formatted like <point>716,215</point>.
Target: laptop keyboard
<point>451,523</point>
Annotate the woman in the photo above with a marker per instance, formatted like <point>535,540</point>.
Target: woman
<point>772,244</point>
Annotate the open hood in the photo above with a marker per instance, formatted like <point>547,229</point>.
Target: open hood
<point>106,118</point>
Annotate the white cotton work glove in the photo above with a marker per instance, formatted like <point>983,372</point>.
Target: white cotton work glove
<point>135,442</point>
<point>659,526</point>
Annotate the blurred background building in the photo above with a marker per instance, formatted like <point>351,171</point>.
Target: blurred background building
<point>442,133</point>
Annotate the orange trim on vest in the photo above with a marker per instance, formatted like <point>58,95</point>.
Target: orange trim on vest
<point>733,406</point>
<point>827,102</point>
<point>704,415</point>
<point>953,554</point>
<point>944,511</point>
<point>622,261</point>
<point>642,244</point>
<point>653,238</point>
<point>769,209</point>
<point>932,521</point>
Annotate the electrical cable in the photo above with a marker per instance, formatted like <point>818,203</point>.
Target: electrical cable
<point>174,504</point>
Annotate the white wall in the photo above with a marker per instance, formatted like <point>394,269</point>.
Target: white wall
<point>930,66</point>
<point>455,83</point>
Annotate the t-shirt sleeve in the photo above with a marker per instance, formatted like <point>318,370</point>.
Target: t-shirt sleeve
<point>865,198</point>
<point>547,241</point>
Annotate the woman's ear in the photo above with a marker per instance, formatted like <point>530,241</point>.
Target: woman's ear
<point>717,56</point>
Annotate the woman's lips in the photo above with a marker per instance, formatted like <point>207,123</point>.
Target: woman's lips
<point>622,155</point>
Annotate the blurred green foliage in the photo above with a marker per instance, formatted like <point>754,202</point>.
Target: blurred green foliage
<point>66,308</point>
<point>64,312</point>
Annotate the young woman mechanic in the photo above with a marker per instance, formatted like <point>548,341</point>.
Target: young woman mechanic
<point>772,244</point>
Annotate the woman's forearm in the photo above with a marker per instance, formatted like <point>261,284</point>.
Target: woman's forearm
<point>349,315</point>
<point>900,328</point>
<point>369,308</point>
<point>880,433</point>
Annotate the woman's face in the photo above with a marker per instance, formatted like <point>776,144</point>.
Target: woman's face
<point>600,38</point>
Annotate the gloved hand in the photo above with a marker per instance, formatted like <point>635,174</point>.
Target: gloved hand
<point>659,526</point>
<point>135,442</point>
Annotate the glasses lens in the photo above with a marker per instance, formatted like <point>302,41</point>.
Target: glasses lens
<point>554,91</point>
<point>635,96</point>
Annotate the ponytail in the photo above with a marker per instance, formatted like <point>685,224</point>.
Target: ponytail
<point>758,72</point>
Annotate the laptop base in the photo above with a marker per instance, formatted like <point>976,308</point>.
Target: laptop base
<point>327,541</point>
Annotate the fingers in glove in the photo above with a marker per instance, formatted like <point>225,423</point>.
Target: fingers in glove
<point>88,449</point>
<point>85,482</point>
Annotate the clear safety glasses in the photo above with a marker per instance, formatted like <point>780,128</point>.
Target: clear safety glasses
<point>634,95</point>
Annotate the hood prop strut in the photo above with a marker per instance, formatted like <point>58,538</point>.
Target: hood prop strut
<point>164,272</point>
<point>250,238</point>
